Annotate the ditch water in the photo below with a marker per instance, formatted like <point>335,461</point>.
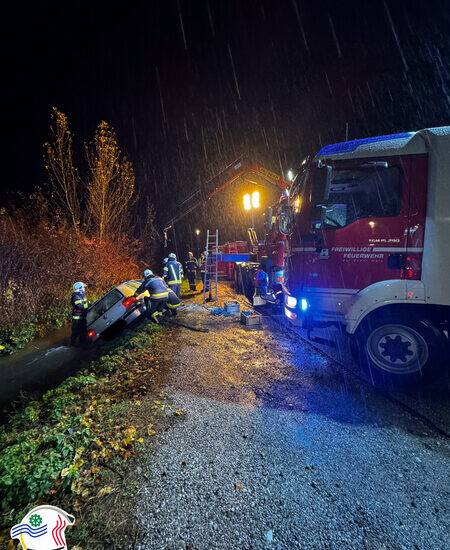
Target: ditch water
<point>40,365</point>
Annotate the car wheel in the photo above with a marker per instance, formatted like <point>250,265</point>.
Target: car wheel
<point>398,350</point>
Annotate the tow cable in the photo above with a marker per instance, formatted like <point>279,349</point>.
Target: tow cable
<point>196,329</point>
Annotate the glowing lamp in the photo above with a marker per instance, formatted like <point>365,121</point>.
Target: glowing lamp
<point>290,314</point>
<point>291,301</point>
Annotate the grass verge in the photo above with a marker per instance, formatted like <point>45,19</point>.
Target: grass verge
<point>78,447</point>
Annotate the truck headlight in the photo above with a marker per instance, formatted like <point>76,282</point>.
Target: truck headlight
<point>291,301</point>
<point>304,304</point>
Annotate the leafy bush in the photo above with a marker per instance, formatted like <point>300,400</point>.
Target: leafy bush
<point>26,474</point>
<point>51,443</point>
<point>40,259</point>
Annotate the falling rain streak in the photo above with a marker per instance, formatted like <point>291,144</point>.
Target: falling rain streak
<point>302,29</point>
<point>394,32</point>
<point>234,73</point>
<point>160,96</point>
<point>336,41</point>
<point>180,15</point>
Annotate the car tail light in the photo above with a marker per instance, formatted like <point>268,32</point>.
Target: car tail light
<point>128,301</point>
<point>91,334</point>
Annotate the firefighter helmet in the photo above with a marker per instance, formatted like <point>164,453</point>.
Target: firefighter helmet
<point>79,287</point>
<point>172,256</point>
<point>148,273</point>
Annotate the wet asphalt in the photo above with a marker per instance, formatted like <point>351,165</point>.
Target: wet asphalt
<point>278,448</point>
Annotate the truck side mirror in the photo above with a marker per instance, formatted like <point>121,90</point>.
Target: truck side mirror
<point>286,218</point>
<point>320,191</point>
<point>269,220</point>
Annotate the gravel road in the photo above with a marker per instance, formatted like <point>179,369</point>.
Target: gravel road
<point>278,449</point>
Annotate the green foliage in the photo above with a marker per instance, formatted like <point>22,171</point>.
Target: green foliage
<point>13,336</point>
<point>47,446</point>
<point>32,411</point>
<point>25,473</point>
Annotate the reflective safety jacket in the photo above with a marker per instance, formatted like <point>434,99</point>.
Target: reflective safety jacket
<point>173,301</point>
<point>79,305</point>
<point>191,265</point>
<point>156,287</point>
<point>173,272</point>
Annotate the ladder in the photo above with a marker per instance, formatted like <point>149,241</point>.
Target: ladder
<point>210,274</point>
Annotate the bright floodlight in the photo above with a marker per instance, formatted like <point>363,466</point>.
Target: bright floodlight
<point>197,231</point>
<point>255,199</point>
<point>290,175</point>
<point>247,201</point>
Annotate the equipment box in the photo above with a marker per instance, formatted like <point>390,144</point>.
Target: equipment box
<point>232,306</point>
<point>258,301</point>
<point>250,318</point>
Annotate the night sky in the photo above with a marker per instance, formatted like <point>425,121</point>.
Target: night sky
<point>191,85</point>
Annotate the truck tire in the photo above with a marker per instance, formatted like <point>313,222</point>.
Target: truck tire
<point>397,350</point>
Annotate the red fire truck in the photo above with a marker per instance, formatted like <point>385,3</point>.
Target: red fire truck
<point>269,254</point>
<point>368,248</point>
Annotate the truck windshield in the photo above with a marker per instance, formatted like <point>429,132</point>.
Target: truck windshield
<point>362,193</point>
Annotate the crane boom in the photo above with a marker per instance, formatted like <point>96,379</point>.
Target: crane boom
<point>240,167</point>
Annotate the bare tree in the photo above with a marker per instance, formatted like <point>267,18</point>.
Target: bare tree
<point>63,176</point>
<point>148,234</point>
<point>111,184</point>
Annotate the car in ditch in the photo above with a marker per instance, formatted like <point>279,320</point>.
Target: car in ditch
<point>113,311</point>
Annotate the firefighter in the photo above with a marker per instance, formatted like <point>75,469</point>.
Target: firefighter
<point>79,310</point>
<point>165,263</point>
<point>191,270</point>
<point>261,280</point>
<point>158,295</point>
<point>173,274</point>
<point>173,303</point>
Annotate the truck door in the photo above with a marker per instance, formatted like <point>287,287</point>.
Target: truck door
<point>362,233</point>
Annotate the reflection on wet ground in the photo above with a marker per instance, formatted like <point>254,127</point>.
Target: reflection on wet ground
<point>40,365</point>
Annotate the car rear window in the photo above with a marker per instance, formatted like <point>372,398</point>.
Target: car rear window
<point>102,306</point>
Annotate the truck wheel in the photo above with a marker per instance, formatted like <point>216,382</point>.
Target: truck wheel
<point>399,350</point>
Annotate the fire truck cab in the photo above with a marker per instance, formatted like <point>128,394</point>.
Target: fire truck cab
<point>368,248</point>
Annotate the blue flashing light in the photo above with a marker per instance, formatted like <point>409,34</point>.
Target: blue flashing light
<point>349,146</point>
<point>304,304</point>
